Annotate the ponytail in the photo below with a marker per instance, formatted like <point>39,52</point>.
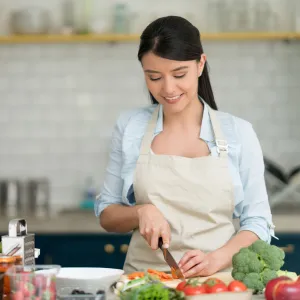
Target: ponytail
<point>205,90</point>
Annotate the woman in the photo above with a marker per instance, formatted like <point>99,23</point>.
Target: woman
<point>180,169</point>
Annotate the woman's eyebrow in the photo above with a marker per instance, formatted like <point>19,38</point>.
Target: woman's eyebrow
<point>176,69</point>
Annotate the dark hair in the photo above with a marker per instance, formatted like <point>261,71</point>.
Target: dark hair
<point>176,38</point>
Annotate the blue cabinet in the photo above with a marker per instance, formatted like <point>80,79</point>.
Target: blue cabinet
<point>109,250</point>
<point>83,250</point>
<point>290,243</point>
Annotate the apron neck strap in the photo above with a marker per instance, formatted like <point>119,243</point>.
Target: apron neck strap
<point>148,137</point>
<point>221,143</point>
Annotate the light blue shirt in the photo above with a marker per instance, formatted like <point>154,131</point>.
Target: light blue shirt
<point>245,161</point>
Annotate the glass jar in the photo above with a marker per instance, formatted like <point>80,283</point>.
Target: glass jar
<point>5,263</point>
<point>19,260</point>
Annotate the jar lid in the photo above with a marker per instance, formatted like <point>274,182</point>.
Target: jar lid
<point>18,257</point>
<point>7,259</point>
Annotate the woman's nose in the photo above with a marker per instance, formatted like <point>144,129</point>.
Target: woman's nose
<point>168,87</point>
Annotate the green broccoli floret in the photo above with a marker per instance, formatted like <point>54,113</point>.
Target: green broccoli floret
<point>237,275</point>
<point>268,275</point>
<point>246,261</point>
<point>273,258</point>
<point>261,259</point>
<point>259,247</point>
<point>253,281</point>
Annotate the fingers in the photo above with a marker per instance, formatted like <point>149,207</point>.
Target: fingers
<point>197,270</point>
<point>165,234</point>
<point>151,234</point>
<point>191,263</point>
<point>154,238</point>
<point>187,256</point>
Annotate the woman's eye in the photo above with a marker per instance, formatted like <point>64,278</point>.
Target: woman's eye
<point>179,76</point>
<point>154,79</point>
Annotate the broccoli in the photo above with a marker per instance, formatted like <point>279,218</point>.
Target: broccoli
<point>257,264</point>
<point>268,275</point>
<point>238,275</point>
<point>246,261</point>
<point>253,281</point>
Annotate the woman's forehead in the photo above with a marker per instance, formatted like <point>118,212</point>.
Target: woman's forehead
<point>150,61</point>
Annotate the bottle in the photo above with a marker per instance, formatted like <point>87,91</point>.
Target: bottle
<point>89,194</point>
<point>121,19</point>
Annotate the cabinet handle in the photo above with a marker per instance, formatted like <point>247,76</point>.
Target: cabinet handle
<point>124,248</point>
<point>288,248</point>
<point>109,248</point>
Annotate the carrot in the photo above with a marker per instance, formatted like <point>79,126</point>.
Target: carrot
<point>161,275</point>
<point>135,275</point>
<point>174,275</point>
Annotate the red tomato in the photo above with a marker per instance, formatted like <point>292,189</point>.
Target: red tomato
<point>194,290</point>
<point>181,286</point>
<point>236,286</point>
<point>212,281</point>
<point>217,288</point>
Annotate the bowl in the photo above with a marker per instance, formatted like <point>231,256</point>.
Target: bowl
<point>37,281</point>
<point>89,280</point>
<point>246,295</point>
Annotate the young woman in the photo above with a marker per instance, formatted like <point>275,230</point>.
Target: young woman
<point>180,169</point>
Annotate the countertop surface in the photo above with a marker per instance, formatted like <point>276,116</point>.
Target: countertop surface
<point>86,222</point>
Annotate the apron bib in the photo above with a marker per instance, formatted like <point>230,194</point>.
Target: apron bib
<point>195,195</point>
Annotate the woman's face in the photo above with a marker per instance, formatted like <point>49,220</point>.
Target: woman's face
<point>174,84</point>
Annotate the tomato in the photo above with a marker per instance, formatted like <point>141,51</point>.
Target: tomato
<point>217,288</point>
<point>236,286</point>
<point>194,290</point>
<point>181,286</point>
<point>212,281</point>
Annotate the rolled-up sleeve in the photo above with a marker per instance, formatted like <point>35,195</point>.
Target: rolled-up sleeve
<point>255,213</point>
<point>111,191</point>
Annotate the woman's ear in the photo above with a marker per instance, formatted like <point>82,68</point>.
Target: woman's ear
<point>201,64</point>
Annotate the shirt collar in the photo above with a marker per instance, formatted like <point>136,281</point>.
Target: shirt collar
<point>206,132</point>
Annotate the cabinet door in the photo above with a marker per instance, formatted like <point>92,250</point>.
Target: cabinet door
<point>290,243</point>
<point>83,250</point>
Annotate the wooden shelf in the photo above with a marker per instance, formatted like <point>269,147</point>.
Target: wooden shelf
<point>94,38</point>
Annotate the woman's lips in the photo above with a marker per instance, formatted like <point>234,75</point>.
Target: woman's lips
<point>172,100</point>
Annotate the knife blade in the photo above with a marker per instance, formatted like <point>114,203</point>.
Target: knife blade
<point>170,260</point>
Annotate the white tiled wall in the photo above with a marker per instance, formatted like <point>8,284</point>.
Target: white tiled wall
<point>59,103</point>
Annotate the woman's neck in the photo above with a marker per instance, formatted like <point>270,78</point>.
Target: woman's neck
<point>190,116</point>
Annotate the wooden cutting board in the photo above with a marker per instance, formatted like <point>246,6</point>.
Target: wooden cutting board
<point>225,276</point>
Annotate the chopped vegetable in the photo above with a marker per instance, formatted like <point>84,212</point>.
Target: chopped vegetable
<point>150,290</point>
<point>162,276</point>
<point>135,275</point>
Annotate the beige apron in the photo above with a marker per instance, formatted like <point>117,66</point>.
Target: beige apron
<point>195,195</point>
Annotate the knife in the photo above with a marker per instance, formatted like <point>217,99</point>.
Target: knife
<point>170,260</point>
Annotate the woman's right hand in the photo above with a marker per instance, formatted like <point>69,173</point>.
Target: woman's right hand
<point>153,225</point>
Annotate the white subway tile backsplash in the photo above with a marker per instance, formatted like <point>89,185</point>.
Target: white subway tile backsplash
<point>59,102</point>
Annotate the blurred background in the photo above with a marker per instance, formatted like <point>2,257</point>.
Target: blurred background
<point>68,68</point>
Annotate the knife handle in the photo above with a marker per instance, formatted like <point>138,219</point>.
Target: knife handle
<point>160,243</point>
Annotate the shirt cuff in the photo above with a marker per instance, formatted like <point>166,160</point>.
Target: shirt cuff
<point>261,228</point>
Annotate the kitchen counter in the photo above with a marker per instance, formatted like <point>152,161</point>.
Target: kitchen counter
<point>254,297</point>
<point>86,222</point>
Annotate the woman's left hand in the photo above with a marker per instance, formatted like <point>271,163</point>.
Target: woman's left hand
<point>196,263</point>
